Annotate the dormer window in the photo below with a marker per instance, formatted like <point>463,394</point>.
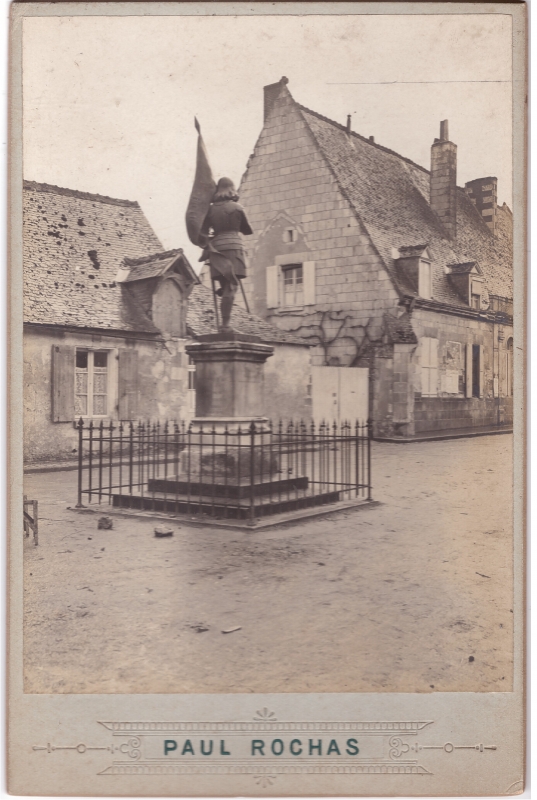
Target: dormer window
<point>415,270</point>
<point>467,280</point>
<point>160,285</point>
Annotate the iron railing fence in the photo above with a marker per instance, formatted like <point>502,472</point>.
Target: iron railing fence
<point>223,470</point>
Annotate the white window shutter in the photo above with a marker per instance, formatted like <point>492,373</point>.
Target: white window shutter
<point>273,286</point>
<point>308,271</point>
<point>433,361</point>
<point>63,383</point>
<point>424,363</point>
<point>469,385</point>
<point>481,370</point>
<point>424,280</point>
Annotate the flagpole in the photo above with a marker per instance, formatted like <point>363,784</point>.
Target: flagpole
<point>244,296</point>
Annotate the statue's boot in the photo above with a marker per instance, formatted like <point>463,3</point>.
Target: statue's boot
<point>225,309</point>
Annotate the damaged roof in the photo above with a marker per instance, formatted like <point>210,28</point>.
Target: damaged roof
<point>76,243</point>
<point>390,195</point>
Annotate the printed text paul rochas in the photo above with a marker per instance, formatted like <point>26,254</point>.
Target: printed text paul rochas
<point>262,747</point>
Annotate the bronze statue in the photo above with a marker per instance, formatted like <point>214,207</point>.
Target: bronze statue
<point>217,222</point>
<point>223,228</point>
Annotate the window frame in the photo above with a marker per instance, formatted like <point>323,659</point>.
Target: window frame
<point>287,269</point>
<point>425,279</point>
<point>111,380</point>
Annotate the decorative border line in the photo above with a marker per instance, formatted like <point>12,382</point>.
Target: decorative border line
<point>156,728</point>
<point>147,768</point>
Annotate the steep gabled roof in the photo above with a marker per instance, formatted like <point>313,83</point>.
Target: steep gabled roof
<point>156,265</point>
<point>74,244</point>
<point>390,195</point>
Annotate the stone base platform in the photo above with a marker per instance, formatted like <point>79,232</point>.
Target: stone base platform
<point>214,507</point>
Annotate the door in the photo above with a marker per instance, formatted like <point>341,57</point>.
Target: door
<point>340,393</point>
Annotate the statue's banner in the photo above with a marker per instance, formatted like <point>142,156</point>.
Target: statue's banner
<point>202,193</point>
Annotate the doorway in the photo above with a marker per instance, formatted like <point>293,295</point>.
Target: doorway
<point>340,393</point>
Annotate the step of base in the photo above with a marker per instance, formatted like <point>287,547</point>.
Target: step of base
<point>206,505</point>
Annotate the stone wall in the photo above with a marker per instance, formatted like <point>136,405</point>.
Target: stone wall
<point>449,410</point>
<point>288,383</point>
<point>163,386</point>
<point>163,381</point>
<point>443,413</point>
<point>288,185</point>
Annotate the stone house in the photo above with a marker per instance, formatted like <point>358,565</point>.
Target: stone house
<point>107,316</point>
<point>400,278</point>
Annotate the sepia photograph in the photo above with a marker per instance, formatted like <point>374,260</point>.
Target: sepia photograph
<point>269,370</point>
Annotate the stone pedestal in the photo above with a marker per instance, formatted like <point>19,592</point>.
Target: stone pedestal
<point>229,379</point>
<point>229,434</point>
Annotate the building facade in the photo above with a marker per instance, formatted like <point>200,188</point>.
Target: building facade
<point>107,316</point>
<point>400,279</point>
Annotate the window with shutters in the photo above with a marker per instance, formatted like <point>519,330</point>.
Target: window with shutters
<point>429,366</point>
<point>92,383</point>
<point>291,285</point>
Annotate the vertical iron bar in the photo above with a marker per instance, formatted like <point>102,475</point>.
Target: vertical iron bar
<point>152,459</point>
<point>252,471</point>
<point>90,465</point>
<point>188,447</point>
<point>80,460</point>
<point>271,467</point>
<point>141,459</point>
<point>334,440</point>
<point>369,437</point>
<point>312,445</point>
<point>131,455</point>
<point>165,501</point>
<point>280,465</point>
<point>176,462</point>
<point>110,448</point>
<point>213,459</point>
<point>120,463</point>
<point>226,467</point>
<point>239,482</point>
<point>200,506</point>
<point>100,470</point>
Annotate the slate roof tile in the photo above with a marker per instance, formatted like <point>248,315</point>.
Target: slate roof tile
<point>390,194</point>
<point>74,244</point>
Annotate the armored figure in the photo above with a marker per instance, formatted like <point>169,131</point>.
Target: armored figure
<point>221,234</point>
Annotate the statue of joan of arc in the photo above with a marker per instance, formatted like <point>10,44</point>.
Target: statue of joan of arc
<point>216,221</point>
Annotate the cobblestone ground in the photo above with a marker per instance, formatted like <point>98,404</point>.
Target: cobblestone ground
<point>414,595</point>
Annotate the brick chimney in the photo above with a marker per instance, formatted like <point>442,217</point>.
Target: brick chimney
<point>444,180</point>
<point>271,94</point>
<point>483,192</point>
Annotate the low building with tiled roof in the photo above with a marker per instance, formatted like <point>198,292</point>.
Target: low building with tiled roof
<point>386,266</point>
<point>107,315</point>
